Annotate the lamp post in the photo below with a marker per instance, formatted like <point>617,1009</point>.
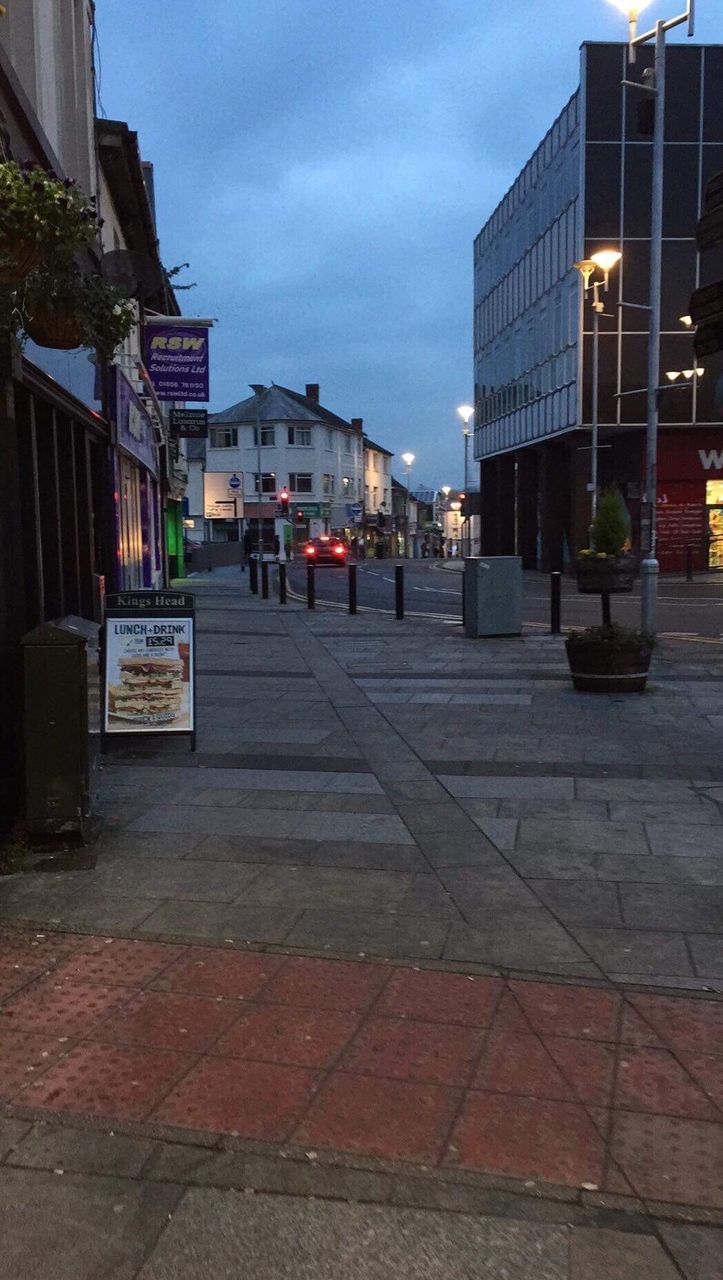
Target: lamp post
<point>466,411</point>
<point>649,567</point>
<point>604,261</point>
<point>407,459</point>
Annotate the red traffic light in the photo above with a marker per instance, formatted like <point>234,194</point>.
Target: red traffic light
<point>284,501</point>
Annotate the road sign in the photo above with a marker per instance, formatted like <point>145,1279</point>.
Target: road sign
<point>234,482</point>
<point>354,511</point>
<point>223,494</point>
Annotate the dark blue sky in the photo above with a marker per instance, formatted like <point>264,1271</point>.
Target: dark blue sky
<point>324,165</point>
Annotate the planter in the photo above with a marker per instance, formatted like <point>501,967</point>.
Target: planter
<point>17,259</point>
<point>60,329</point>
<point>613,574</point>
<point>603,666</point>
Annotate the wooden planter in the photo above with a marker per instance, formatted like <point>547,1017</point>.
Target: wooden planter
<point>604,667</point>
<point>20,258</point>
<point>53,327</point>
<point>613,575</point>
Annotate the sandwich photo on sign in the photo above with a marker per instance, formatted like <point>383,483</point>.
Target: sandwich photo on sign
<point>148,675</point>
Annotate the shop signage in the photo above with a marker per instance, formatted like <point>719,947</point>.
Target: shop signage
<point>189,424</point>
<point>223,495</point>
<point>354,511</point>
<point>135,429</point>
<point>148,663</point>
<point>176,359</point>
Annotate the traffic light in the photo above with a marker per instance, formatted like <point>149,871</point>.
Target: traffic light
<point>284,501</point>
<point>463,505</point>
<point>706,304</point>
<point>299,516</point>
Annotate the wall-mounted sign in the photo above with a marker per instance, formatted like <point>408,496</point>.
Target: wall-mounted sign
<point>176,359</point>
<point>223,495</point>
<point>149,663</point>
<point>189,424</point>
<point>135,429</point>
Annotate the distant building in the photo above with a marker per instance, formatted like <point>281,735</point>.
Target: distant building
<point>587,187</point>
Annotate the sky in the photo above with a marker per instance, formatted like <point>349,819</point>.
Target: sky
<point>324,167</point>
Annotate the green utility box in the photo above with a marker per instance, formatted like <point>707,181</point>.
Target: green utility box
<point>56,731</point>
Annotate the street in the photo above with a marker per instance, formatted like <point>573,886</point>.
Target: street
<point>686,609</point>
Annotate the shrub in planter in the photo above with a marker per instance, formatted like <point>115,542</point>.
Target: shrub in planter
<point>43,218</point>
<point>68,309</point>
<point>604,569</point>
<point>609,659</point>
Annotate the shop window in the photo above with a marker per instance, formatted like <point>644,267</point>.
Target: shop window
<point>223,438</point>
<point>301,481</point>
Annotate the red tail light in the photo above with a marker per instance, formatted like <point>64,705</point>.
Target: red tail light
<point>339,551</point>
<point>310,551</point>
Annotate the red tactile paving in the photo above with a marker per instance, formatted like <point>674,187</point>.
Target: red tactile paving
<point>528,1138</point>
<point>391,1119</point>
<point>406,1050</point>
<point>441,997</point>
<point>565,1083</point>
<point>325,984</point>
<point>281,1033</point>
<point>106,1079</point>
<point>653,1080</point>
<point>257,1099</point>
<point>206,972</point>
<point>165,1020</point>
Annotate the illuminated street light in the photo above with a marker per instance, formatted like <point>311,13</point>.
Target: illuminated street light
<point>407,459</point>
<point>604,260</point>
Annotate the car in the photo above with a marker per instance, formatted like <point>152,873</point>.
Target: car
<point>326,549</point>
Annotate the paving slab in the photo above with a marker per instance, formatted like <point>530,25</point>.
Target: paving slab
<point>612,1255</point>
<point>96,1151</point>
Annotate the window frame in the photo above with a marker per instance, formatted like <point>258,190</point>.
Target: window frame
<point>220,429</point>
<point>295,476</point>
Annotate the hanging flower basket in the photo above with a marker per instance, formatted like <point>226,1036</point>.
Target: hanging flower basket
<point>610,659</point>
<point>55,327</point>
<point>18,257</point>
<point>597,574</point>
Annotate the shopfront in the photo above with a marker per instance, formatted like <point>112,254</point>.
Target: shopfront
<point>137,492</point>
<point>690,499</point>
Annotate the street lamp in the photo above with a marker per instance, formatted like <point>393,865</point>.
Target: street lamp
<point>649,567</point>
<point>466,411</point>
<point>604,260</point>
<point>407,459</point>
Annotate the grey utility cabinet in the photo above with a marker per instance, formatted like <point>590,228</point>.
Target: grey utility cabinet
<point>493,595</point>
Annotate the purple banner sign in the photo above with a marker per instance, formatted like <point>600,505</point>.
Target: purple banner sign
<point>135,429</point>
<point>176,359</point>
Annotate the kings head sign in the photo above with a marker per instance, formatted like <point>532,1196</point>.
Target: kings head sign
<point>176,359</point>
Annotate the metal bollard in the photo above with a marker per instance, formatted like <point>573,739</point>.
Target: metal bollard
<point>399,591</point>
<point>464,612</point>
<point>689,564</point>
<point>555,603</point>
<point>264,580</point>
<point>352,588</point>
<point>310,587</point>
<point>254,576</point>
<point>282,583</point>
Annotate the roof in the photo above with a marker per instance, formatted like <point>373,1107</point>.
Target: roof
<point>424,495</point>
<point>378,448</point>
<point>279,404</point>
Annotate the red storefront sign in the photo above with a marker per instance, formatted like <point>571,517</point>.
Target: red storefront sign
<point>686,461</point>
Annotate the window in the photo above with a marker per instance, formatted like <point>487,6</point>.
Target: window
<point>268,482</point>
<point>223,438</point>
<point>329,438</point>
<point>300,435</point>
<point>346,484</point>
<point>268,436</point>
<point>327,485</point>
<point>347,444</point>
<point>301,481</point>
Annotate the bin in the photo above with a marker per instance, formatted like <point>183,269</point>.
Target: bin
<point>493,595</point>
<point>55,729</point>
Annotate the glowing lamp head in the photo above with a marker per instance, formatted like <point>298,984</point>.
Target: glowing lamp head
<point>631,8</point>
<point>407,459</point>
<point>606,259</point>
<point>465,411</point>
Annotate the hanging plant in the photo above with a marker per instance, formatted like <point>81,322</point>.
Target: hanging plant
<point>42,218</point>
<point>67,309</point>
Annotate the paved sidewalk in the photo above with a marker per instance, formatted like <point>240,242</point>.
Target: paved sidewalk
<point>417,923</point>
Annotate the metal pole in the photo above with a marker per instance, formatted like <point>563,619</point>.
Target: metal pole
<point>689,564</point>
<point>406,514</point>
<point>261,483</point>
<point>310,586</point>
<point>282,582</point>
<point>399,592</point>
<point>594,414</point>
<point>649,568</point>
<point>466,487</point>
<point>264,580</point>
<point>555,594</point>
<point>253,575</point>
<point>352,588</point>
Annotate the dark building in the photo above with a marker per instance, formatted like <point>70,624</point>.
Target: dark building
<point>588,187</point>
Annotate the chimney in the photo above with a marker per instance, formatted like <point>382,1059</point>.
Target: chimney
<point>358,425</point>
<point>312,391</point>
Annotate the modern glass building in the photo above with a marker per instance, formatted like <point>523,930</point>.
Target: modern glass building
<point>588,187</point>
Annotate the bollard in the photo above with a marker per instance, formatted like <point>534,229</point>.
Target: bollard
<point>689,564</point>
<point>464,616</point>
<point>399,591</point>
<point>352,588</point>
<point>555,602</point>
<point>264,580</point>
<point>310,594</point>
<point>254,575</point>
<point>282,583</point>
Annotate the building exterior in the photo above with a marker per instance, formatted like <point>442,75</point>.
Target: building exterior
<point>377,518</point>
<point>587,187</point>
<point>305,448</point>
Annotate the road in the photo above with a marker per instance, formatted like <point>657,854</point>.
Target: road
<point>686,609</point>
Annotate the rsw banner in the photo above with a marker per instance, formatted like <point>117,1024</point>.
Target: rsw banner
<point>176,360</point>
